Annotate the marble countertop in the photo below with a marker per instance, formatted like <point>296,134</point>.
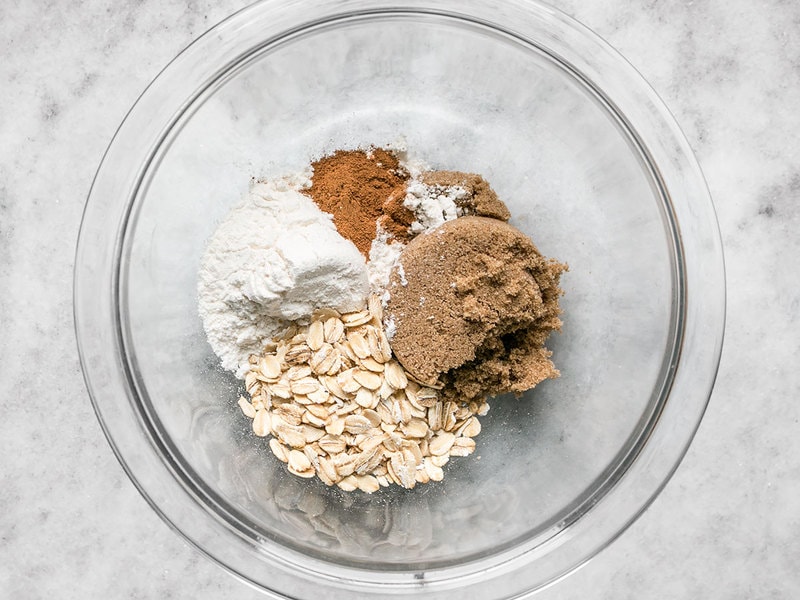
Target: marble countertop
<point>71,523</point>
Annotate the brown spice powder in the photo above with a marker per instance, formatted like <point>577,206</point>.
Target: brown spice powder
<point>362,189</point>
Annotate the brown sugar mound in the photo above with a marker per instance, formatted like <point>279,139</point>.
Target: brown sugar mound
<point>481,201</point>
<point>361,189</point>
<point>472,306</point>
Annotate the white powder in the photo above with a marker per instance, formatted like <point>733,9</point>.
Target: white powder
<point>275,258</point>
<point>432,205</point>
<point>390,327</point>
<point>401,273</point>
<point>384,254</point>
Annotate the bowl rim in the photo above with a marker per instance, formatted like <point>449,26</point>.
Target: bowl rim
<point>112,387</point>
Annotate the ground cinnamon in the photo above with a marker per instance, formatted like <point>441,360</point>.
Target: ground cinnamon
<point>362,190</point>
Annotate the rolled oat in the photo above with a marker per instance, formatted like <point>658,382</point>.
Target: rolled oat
<point>341,408</point>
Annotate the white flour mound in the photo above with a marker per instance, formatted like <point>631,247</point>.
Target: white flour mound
<point>275,258</point>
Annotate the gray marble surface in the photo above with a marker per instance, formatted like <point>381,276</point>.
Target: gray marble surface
<point>728,524</point>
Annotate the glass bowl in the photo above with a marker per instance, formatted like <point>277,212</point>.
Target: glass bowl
<point>594,170</point>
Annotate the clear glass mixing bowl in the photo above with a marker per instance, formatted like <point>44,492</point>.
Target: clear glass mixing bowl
<point>591,165</point>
